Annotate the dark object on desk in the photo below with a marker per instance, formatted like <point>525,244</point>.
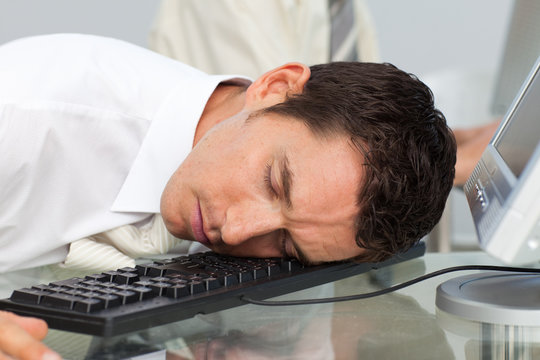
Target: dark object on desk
<point>131,299</point>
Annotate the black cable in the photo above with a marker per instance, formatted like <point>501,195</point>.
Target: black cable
<point>390,289</point>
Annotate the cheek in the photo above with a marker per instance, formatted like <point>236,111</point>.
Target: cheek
<point>214,154</point>
<point>170,206</point>
<point>236,164</point>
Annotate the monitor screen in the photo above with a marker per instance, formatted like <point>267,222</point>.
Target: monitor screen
<point>516,144</point>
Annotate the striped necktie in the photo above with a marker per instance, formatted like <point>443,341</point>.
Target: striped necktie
<point>343,35</point>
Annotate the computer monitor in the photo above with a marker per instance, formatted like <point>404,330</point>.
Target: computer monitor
<point>503,193</point>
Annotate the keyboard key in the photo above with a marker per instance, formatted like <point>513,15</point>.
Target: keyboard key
<point>177,291</point>
<point>111,275</point>
<point>91,282</point>
<point>73,292</point>
<point>91,294</point>
<point>125,287</point>
<point>196,287</point>
<point>126,278</point>
<point>259,272</point>
<point>127,296</point>
<point>91,288</point>
<point>67,283</point>
<point>97,277</point>
<point>109,300</point>
<point>29,296</point>
<point>108,284</point>
<point>144,293</point>
<point>291,265</point>
<point>273,269</point>
<point>227,279</point>
<point>41,287</point>
<point>155,271</point>
<point>88,305</point>
<point>177,276</point>
<point>211,283</point>
<point>212,268</point>
<point>142,269</point>
<point>244,276</point>
<point>177,281</point>
<point>60,301</point>
<point>159,288</point>
<point>165,261</point>
<point>110,290</point>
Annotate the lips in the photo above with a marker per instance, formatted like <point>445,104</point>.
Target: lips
<point>197,225</point>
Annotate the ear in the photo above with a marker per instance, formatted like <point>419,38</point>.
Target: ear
<point>274,86</point>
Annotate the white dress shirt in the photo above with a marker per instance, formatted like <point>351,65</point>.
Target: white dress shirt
<point>91,129</point>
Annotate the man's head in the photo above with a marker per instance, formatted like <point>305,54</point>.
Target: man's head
<point>407,149</point>
<point>346,160</point>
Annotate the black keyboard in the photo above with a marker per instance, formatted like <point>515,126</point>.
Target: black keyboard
<point>164,291</point>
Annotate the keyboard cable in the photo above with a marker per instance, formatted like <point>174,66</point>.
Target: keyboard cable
<point>389,289</point>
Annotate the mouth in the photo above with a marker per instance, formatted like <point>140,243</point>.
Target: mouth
<point>197,225</point>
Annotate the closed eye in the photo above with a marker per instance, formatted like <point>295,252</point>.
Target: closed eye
<point>268,180</point>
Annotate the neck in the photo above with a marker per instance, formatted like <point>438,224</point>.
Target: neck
<point>226,101</point>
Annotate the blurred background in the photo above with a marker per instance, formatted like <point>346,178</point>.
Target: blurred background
<point>421,36</point>
<point>456,47</point>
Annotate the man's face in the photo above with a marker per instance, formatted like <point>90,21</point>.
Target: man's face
<point>267,187</point>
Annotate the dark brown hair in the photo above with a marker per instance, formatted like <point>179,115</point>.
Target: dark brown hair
<point>408,150</point>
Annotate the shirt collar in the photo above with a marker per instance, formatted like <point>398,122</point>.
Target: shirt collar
<point>167,143</point>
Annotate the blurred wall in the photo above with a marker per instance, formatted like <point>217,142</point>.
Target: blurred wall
<point>423,36</point>
<point>124,19</point>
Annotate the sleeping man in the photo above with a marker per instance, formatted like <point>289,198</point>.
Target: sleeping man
<point>109,146</point>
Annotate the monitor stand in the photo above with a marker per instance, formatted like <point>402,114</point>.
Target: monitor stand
<point>493,297</point>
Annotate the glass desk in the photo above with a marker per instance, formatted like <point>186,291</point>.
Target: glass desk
<point>401,325</point>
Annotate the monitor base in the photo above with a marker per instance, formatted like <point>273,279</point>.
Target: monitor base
<point>493,297</point>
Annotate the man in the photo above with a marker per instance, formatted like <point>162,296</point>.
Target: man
<point>332,162</point>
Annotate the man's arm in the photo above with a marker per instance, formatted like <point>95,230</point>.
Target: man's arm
<point>471,144</point>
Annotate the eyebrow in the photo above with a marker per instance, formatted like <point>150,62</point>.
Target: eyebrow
<point>287,184</point>
<point>286,180</point>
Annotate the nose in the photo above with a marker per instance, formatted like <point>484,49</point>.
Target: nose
<point>247,222</point>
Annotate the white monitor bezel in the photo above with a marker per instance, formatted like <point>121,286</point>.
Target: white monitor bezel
<point>506,208</point>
